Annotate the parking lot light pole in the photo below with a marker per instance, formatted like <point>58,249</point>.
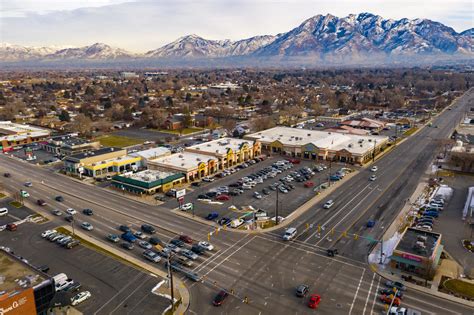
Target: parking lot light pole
<point>276,209</point>
<point>72,226</point>
<point>170,276</point>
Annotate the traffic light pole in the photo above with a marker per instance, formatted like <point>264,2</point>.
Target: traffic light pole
<point>170,275</point>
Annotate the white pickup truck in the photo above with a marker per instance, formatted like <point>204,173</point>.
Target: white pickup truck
<point>403,311</point>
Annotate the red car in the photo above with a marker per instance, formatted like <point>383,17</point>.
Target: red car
<point>308,184</point>
<point>11,227</point>
<point>41,202</point>
<point>387,299</point>
<point>223,198</point>
<point>314,300</point>
<point>186,239</point>
<point>294,161</point>
<point>220,297</point>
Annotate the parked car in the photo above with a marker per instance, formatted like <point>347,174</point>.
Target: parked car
<point>72,244</point>
<point>11,227</point>
<point>208,179</point>
<point>148,229</point>
<point>186,239</point>
<point>372,178</point>
<point>198,249</point>
<point>395,284</point>
<point>224,221</point>
<point>206,245</point>
<point>223,198</point>
<point>374,168</point>
<point>257,195</point>
<point>308,184</point>
<point>220,298</point>
<point>187,206</point>
<point>202,196</point>
<point>314,301</point>
<point>113,238</point>
<point>302,290</point>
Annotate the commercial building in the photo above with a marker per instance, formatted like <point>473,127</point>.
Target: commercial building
<point>68,145</point>
<point>151,154</point>
<point>208,158</point>
<point>417,252</point>
<point>23,288</point>
<point>147,182</point>
<point>101,162</point>
<point>12,135</point>
<point>319,145</point>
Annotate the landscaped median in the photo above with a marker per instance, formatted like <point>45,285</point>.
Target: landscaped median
<point>181,292</point>
<point>459,288</point>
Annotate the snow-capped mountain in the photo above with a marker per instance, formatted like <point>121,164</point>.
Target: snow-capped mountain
<point>366,34</point>
<point>96,51</point>
<point>11,52</point>
<point>193,46</point>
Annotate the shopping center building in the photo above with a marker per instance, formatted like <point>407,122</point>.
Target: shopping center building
<point>319,145</point>
<point>148,181</point>
<point>12,135</point>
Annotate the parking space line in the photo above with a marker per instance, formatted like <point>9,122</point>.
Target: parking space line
<point>128,296</point>
<point>357,291</point>
<point>375,296</point>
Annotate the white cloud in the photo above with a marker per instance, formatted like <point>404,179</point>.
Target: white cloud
<point>148,24</point>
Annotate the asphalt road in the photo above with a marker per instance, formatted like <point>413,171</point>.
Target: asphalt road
<point>262,267</point>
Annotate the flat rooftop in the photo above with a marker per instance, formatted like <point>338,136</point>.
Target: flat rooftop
<point>220,146</point>
<point>322,139</point>
<point>408,243</point>
<point>68,141</point>
<point>184,160</point>
<point>152,153</point>
<point>149,176</point>
<point>15,274</point>
<point>100,151</point>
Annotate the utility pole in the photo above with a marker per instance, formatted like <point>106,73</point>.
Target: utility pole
<point>329,175</point>
<point>170,276</point>
<point>72,226</point>
<point>373,154</point>
<point>276,208</point>
<point>381,251</point>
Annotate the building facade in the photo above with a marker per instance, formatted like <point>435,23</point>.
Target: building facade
<point>69,145</point>
<point>12,135</point>
<point>417,252</point>
<point>319,145</point>
<point>147,182</point>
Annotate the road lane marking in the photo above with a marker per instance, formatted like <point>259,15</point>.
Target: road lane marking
<point>357,291</point>
<point>348,213</point>
<point>335,214</point>
<point>368,293</point>
<point>375,296</point>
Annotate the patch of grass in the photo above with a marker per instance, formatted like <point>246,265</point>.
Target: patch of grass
<point>266,224</point>
<point>460,287</point>
<point>100,249</point>
<point>2,195</point>
<point>118,141</point>
<point>184,131</point>
<point>410,131</point>
<point>16,204</point>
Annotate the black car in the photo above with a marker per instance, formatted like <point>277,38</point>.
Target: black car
<point>203,197</point>
<point>195,184</point>
<point>212,194</point>
<point>59,198</point>
<point>7,174</point>
<point>74,286</point>
<point>235,185</point>
<point>390,292</point>
<point>127,245</point>
<point>72,244</point>
<point>302,290</point>
<point>88,212</point>
<point>155,241</point>
<point>148,229</point>
<point>69,218</point>
<point>224,221</point>
<point>177,242</point>
<point>220,297</point>
<point>43,268</point>
<point>198,249</point>
<point>124,228</point>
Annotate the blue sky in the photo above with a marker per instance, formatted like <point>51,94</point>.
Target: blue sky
<point>141,25</point>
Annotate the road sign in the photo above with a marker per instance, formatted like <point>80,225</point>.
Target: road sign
<point>180,193</point>
<point>181,199</point>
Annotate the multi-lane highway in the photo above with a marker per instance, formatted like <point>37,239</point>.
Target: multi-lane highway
<point>260,266</point>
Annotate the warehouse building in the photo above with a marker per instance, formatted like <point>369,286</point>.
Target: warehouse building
<point>12,135</point>
<point>319,145</point>
<point>148,181</point>
<point>417,252</point>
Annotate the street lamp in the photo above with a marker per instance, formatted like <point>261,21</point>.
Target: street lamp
<point>170,276</point>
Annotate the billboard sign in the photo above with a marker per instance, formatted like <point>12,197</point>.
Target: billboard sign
<point>411,257</point>
<point>180,193</point>
<point>18,304</point>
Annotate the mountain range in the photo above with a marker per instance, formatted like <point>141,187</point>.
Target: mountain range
<point>322,37</point>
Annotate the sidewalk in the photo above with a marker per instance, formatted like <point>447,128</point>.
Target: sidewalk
<point>180,288</point>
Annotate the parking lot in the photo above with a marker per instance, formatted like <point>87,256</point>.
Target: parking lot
<point>116,288</point>
<point>260,196</point>
<point>14,213</point>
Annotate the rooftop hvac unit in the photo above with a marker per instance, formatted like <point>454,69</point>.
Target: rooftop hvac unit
<point>422,238</point>
<point>350,145</point>
<point>361,145</point>
<point>420,245</point>
<point>198,159</point>
<point>370,140</point>
<point>181,156</point>
<point>208,144</point>
<point>309,135</point>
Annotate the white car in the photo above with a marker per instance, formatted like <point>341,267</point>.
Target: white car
<point>187,206</point>
<point>206,245</point>
<point>47,232</point>
<point>87,226</point>
<point>257,195</point>
<point>374,168</point>
<point>208,179</point>
<point>80,297</point>
<point>71,211</point>
<point>373,177</point>
<point>328,204</point>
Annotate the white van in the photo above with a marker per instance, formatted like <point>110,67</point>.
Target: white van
<point>289,234</point>
<point>3,212</point>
